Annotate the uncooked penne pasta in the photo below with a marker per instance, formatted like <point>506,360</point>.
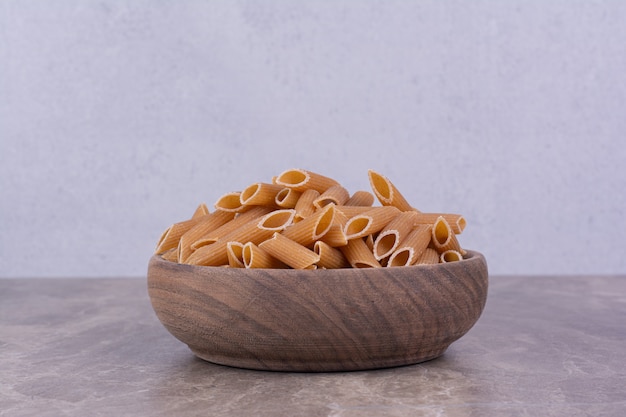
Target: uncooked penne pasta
<point>393,233</point>
<point>171,236</point>
<point>456,221</point>
<point>335,194</point>
<point>234,251</point>
<point>209,223</point>
<point>451,256</point>
<point>359,255</point>
<point>335,236</point>
<point>239,220</point>
<point>411,247</point>
<point>305,207</point>
<point>170,255</point>
<point>255,257</point>
<point>387,193</point>
<point>360,198</point>
<point>254,231</point>
<point>351,211</point>
<point>330,258</point>
<point>260,194</point>
<point>291,253</point>
<point>200,211</point>
<point>312,228</point>
<point>370,222</point>
<point>301,219</point>
<point>287,198</point>
<point>230,202</point>
<point>428,257</point>
<point>443,237</point>
<point>301,180</point>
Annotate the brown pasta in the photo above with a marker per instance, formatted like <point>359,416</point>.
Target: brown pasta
<point>208,223</point>
<point>260,194</point>
<point>301,219</point>
<point>360,198</point>
<point>456,221</point>
<point>330,257</point>
<point>291,253</point>
<point>371,221</point>
<point>336,195</point>
<point>301,180</point>
<point>255,257</point>
<point>359,254</point>
<point>234,252</point>
<point>287,198</point>
<point>443,237</point>
<point>393,233</point>
<point>305,206</point>
<point>411,247</point>
<point>387,193</point>
<point>312,228</point>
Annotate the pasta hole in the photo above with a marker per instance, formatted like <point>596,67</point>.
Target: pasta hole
<point>401,258</point>
<point>381,185</point>
<point>292,177</point>
<point>385,244</point>
<point>277,220</point>
<point>325,222</point>
<point>441,232</point>
<point>357,225</point>
<point>249,192</point>
<point>282,195</point>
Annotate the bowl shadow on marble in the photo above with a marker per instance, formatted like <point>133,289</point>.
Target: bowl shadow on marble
<point>318,320</point>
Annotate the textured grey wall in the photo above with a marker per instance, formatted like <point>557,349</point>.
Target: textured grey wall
<point>118,117</point>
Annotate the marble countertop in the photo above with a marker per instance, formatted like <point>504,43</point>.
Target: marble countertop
<point>544,346</point>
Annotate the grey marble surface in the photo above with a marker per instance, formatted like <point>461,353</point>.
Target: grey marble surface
<point>545,346</point>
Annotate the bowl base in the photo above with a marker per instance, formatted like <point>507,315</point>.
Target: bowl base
<point>317,366</point>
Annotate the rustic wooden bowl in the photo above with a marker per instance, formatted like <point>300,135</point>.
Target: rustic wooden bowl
<point>318,320</point>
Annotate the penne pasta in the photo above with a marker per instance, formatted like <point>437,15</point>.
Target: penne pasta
<point>260,194</point>
<point>351,211</point>
<point>412,247</point>
<point>369,222</point>
<point>291,253</point>
<point>335,194</point>
<point>387,193</point>
<point>456,221</point>
<point>428,257</point>
<point>443,237</point>
<point>360,198</point>
<point>305,206</point>
<point>234,252</point>
<point>287,198</point>
<point>393,233</point>
<point>301,219</point>
<point>254,231</point>
<point>209,223</point>
<point>301,180</point>
<point>171,236</point>
<point>330,257</point>
<point>359,255</point>
<point>230,202</point>
<point>170,255</point>
<point>255,257</point>
<point>450,256</point>
<point>312,228</point>
<point>239,220</point>
<point>200,211</point>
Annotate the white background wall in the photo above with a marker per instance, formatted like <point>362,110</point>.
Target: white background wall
<point>117,118</point>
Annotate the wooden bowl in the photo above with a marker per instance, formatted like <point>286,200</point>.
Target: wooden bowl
<point>318,320</point>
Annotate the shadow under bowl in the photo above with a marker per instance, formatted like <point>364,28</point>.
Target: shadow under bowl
<point>318,320</point>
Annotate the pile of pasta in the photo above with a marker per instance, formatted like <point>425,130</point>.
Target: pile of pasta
<point>304,220</point>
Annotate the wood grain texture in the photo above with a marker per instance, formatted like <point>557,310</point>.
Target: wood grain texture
<point>321,320</point>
